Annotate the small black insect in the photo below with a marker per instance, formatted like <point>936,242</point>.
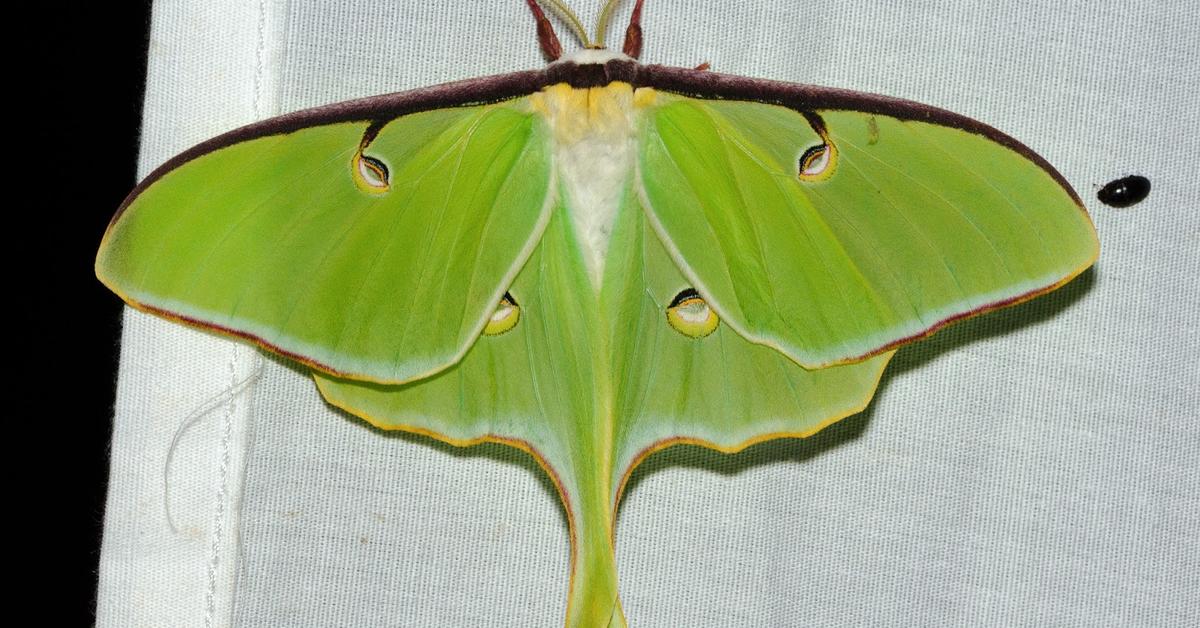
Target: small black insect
<point>1125,191</point>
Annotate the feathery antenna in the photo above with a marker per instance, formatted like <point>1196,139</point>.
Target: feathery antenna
<point>633,34</point>
<point>551,47</point>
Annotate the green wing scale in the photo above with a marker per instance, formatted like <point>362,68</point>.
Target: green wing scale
<point>769,246</point>
<point>592,382</point>
<point>907,226</point>
<point>372,249</point>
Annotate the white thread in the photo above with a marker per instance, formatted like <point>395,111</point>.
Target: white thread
<point>210,596</point>
<point>224,397</point>
<point>242,471</point>
<point>259,59</point>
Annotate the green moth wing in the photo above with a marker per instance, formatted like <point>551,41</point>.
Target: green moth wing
<point>590,382</point>
<point>835,225</point>
<point>370,239</point>
<point>598,260</point>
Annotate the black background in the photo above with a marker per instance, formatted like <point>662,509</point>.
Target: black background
<point>73,158</point>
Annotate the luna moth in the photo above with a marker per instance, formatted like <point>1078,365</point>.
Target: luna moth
<point>599,259</point>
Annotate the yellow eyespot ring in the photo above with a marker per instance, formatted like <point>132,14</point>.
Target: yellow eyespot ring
<point>370,174</point>
<point>504,318</point>
<point>817,163</point>
<point>691,316</point>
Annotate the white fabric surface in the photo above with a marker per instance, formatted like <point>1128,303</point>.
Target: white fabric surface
<point>1037,467</point>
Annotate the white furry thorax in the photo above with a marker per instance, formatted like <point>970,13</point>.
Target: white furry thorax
<point>599,56</point>
<point>594,144</point>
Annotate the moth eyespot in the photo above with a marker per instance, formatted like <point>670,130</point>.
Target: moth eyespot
<point>691,316</point>
<point>370,174</point>
<point>817,162</point>
<point>504,318</point>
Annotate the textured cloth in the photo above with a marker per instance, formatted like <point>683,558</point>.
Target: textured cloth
<point>1038,466</point>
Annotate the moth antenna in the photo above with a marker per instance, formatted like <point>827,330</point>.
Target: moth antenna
<point>566,14</point>
<point>551,47</point>
<point>604,19</point>
<point>633,34</point>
